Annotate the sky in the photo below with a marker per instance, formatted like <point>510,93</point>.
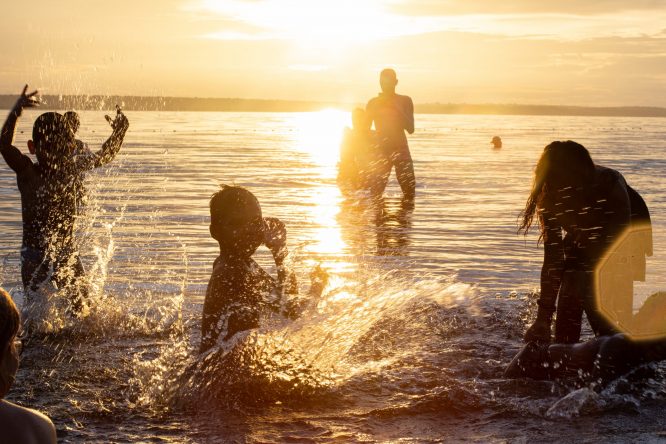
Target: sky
<point>565,52</point>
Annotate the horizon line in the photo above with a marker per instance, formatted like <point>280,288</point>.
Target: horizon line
<point>93,102</point>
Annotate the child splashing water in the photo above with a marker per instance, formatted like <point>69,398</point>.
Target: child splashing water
<point>49,195</point>
<point>239,290</point>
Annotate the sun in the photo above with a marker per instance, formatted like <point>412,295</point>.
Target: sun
<point>319,134</point>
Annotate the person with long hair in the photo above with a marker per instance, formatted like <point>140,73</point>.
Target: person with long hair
<point>17,424</point>
<point>581,210</point>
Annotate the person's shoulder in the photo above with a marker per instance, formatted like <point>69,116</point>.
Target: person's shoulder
<point>372,101</point>
<point>606,173</point>
<point>229,271</point>
<point>609,178</point>
<point>29,171</point>
<point>221,267</point>
<point>403,98</point>
<point>30,425</point>
<point>43,427</point>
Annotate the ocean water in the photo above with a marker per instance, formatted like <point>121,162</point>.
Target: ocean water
<point>424,309</point>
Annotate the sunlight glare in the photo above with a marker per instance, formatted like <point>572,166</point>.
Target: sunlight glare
<point>312,23</point>
<point>319,135</point>
<point>327,234</point>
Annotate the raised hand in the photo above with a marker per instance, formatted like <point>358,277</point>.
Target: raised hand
<point>120,123</point>
<point>26,100</point>
<point>275,237</point>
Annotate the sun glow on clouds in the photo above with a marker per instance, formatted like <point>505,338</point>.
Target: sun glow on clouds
<point>314,23</point>
<point>326,24</point>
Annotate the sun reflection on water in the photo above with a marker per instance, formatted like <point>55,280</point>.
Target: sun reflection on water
<point>327,236</point>
<point>319,135</point>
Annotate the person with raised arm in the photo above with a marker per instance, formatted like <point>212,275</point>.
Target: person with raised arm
<point>49,194</point>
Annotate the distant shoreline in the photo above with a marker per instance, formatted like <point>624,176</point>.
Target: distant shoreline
<point>137,103</point>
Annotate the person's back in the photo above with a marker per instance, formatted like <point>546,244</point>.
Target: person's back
<point>582,209</point>
<point>252,290</point>
<point>239,291</point>
<point>49,190</point>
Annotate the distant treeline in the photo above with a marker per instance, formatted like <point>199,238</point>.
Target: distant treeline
<point>541,110</point>
<point>136,103</point>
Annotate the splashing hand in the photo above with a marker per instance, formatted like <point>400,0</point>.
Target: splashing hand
<point>120,123</point>
<point>275,237</point>
<point>26,100</point>
<point>318,281</point>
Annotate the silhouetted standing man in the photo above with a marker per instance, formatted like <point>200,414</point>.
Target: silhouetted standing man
<point>393,114</point>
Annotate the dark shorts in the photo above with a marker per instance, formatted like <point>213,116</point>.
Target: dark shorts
<point>37,268</point>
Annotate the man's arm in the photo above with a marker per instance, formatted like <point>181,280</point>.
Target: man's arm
<point>16,160</point>
<point>409,115</point>
<point>370,112</point>
<point>112,145</point>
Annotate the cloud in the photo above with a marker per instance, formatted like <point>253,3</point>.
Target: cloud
<point>239,35</point>
<point>570,7</point>
<point>350,21</point>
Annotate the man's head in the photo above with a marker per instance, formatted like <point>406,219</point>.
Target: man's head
<point>388,80</point>
<point>72,119</point>
<point>10,323</point>
<point>52,140</point>
<point>236,221</point>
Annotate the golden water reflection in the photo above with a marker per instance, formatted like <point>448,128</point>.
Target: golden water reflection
<point>343,230</point>
<point>319,135</point>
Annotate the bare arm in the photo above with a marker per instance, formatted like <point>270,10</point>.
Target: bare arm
<point>409,115</point>
<point>551,276</point>
<point>112,145</point>
<point>370,112</point>
<point>552,268</point>
<point>276,241</point>
<point>12,155</point>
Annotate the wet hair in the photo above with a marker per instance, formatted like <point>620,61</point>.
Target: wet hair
<point>10,320</point>
<point>230,199</point>
<point>73,120</point>
<point>51,134</point>
<point>238,210</point>
<point>564,163</point>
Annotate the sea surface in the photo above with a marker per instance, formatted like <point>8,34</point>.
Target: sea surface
<point>424,308</point>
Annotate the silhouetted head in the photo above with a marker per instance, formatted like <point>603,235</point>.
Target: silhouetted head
<point>236,221</point>
<point>72,119</point>
<point>562,165</point>
<point>52,140</point>
<point>10,323</point>
<point>360,119</point>
<point>497,142</point>
<point>388,80</point>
